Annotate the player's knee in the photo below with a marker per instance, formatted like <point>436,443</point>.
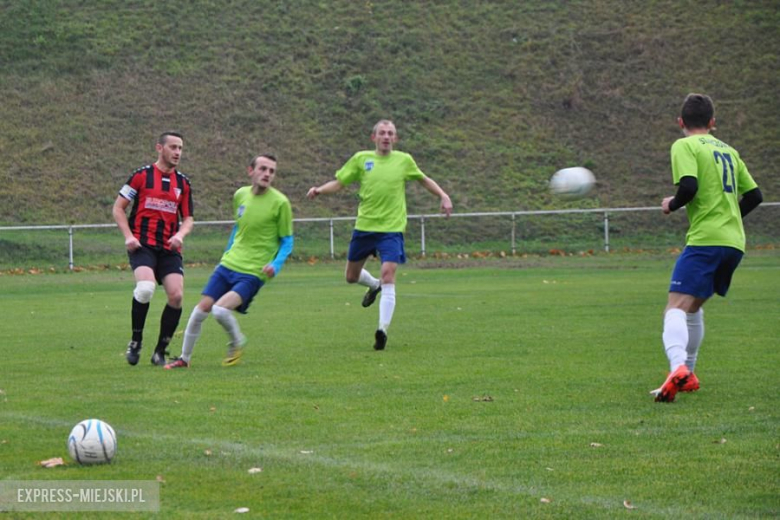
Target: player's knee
<point>175,298</point>
<point>205,306</point>
<point>387,275</point>
<point>144,291</point>
<point>352,278</point>
<point>220,313</point>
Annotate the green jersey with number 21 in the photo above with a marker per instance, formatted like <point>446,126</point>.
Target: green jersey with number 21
<point>723,178</point>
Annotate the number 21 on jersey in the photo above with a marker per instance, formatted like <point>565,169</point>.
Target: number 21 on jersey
<point>724,159</point>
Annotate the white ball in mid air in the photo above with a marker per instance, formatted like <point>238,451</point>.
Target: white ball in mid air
<point>92,441</point>
<point>572,183</point>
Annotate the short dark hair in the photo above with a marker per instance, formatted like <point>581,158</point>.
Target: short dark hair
<point>164,137</point>
<point>697,111</point>
<point>266,155</point>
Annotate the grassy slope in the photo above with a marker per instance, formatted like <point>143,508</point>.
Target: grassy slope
<point>490,97</point>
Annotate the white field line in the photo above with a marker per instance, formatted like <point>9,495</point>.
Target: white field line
<point>443,478</point>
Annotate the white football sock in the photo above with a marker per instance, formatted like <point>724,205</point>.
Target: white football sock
<point>695,336</point>
<point>675,337</point>
<point>192,333</point>
<point>367,280</point>
<point>386,305</point>
<point>229,323</point>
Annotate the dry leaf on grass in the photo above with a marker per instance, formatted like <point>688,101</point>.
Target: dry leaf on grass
<point>52,463</point>
<point>545,501</point>
<point>242,510</point>
<point>628,505</point>
<point>160,478</point>
<point>208,453</point>
<point>483,399</point>
<point>307,452</point>
<point>721,441</point>
<point>252,471</point>
<point>595,445</point>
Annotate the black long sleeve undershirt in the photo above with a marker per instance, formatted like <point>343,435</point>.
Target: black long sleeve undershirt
<point>749,201</point>
<point>688,186</point>
<point>686,190</point>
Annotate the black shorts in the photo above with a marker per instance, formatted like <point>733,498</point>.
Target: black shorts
<point>162,261</point>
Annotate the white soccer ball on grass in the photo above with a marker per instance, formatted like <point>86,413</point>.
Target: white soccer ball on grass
<point>572,183</point>
<point>92,441</point>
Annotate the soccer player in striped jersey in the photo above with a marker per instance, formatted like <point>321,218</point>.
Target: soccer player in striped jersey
<point>160,195</point>
<point>381,221</point>
<point>261,241</point>
<point>717,191</point>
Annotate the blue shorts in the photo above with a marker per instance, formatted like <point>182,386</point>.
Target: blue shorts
<point>703,270</point>
<point>223,280</point>
<point>390,246</point>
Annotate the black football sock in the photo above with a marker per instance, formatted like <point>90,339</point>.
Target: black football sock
<point>168,323</point>
<point>138,319</point>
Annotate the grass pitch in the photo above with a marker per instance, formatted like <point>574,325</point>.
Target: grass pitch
<point>516,389</point>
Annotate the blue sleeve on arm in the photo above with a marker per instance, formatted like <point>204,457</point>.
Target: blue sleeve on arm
<point>232,237</point>
<point>285,248</point>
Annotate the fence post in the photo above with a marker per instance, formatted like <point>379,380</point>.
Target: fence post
<point>332,252</point>
<point>70,248</point>
<point>514,227</point>
<point>606,231</point>
<point>422,236</point>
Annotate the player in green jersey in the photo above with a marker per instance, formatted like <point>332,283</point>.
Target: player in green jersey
<point>717,191</point>
<point>262,240</point>
<point>381,221</point>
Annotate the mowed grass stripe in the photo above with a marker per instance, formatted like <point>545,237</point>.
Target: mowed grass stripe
<point>293,454</point>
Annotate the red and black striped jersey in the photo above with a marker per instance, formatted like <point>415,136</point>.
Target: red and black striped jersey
<point>159,200</point>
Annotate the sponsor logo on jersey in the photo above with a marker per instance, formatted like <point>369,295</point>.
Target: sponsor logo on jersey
<point>177,191</point>
<point>369,165</point>
<point>241,209</point>
<point>167,206</point>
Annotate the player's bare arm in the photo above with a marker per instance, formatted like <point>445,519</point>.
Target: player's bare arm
<point>329,187</point>
<point>120,216</point>
<point>435,189</point>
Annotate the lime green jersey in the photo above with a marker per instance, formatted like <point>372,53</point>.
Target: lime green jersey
<point>261,221</point>
<point>382,192</point>
<point>723,178</point>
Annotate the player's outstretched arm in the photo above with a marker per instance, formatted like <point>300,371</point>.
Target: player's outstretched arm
<point>329,187</point>
<point>434,188</point>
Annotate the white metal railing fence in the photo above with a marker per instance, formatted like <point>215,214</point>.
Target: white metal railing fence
<point>421,218</point>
